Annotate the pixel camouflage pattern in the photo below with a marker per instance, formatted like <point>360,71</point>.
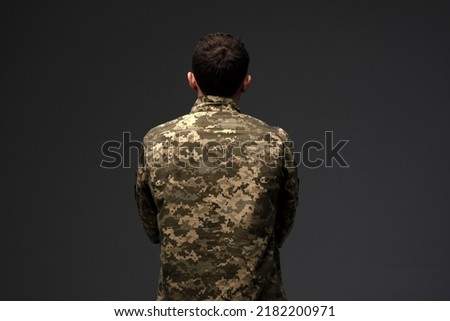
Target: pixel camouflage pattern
<point>218,189</point>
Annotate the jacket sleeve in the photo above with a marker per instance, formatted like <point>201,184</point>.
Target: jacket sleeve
<point>145,202</point>
<point>288,196</point>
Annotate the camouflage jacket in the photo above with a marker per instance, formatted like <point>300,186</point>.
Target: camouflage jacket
<point>218,190</point>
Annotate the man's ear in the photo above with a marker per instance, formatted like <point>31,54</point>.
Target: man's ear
<point>246,83</point>
<point>191,81</point>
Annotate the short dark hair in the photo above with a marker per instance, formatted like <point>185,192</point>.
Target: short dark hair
<point>220,64</point>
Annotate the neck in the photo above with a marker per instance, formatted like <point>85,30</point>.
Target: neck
<point>236,96</point>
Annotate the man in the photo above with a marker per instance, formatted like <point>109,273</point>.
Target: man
<point>218,188</point>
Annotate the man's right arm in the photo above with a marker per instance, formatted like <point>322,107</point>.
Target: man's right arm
<point>288,196</point>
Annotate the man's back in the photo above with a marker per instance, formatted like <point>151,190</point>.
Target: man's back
<point>218,190</point>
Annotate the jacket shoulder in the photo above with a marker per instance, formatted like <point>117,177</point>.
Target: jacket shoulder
<point>275,131</point>
<point>163,130</point>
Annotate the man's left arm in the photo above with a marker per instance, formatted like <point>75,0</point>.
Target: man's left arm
<point>145,202</point>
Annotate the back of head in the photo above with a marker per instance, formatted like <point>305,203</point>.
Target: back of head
<point>220,64</point>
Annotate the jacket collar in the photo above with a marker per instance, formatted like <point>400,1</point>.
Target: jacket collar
<point>214,103</point>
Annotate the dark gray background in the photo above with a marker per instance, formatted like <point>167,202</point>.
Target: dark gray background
<point>76,74</point>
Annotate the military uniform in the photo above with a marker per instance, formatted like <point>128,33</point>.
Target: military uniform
<point>218,190</point>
